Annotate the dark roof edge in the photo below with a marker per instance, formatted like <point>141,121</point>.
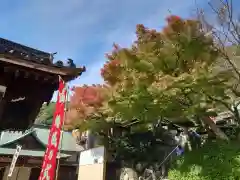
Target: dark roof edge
<point>22,48</point>
<point>52,69</point>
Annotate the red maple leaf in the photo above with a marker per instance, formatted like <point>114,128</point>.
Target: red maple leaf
<point>173,19</point>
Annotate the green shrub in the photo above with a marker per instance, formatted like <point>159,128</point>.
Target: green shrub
<point>215,161</point>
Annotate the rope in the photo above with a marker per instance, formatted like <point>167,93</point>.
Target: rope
<point>168,155</point>
<point>61,138</point>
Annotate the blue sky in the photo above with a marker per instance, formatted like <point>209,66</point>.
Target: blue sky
<point>84,30</point>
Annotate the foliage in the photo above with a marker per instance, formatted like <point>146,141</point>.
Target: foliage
<point>216,160</point>
<point>91,112</point>
<point>164,75</point>
<point>45,115</point>
<point>222,23</point>
<point>139,145</point>
<point>86,104</point>
<point>167,74</point>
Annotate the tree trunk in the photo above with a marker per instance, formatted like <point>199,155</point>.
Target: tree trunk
<point>218,132</point>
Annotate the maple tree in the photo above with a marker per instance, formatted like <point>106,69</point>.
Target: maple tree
<point>89,110</point>
<point>85,103</point>
<point>167,74</point>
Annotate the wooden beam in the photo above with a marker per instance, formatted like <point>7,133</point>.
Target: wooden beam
<point>30,162</point>
<point>5,159</point>
<point>31,74</point>
<point>17,73</point>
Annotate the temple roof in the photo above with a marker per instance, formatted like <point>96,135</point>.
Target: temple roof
<point>67,146</point>
<point>20,55</point>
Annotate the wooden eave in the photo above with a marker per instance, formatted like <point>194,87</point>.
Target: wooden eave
<point>67,73</point>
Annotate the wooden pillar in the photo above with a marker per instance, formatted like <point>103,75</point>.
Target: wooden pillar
<point>14,174</point>
<point>24,173</point>
<point>2,100</point>
<point>19,173</point>
<point>2,171</point>
<point>2,106</point>
<point>67,173</point>
<point>35,172</point>
<point>6,173</point>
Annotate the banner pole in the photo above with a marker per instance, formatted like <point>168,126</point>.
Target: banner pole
<point>61,137</point>
<point>50,158</point>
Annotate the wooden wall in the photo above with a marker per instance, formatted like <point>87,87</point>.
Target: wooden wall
<point>19,173</point>
<point>28,173</point>
<point>34,87</point>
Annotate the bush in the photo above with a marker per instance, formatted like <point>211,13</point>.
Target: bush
<point>215,161</point>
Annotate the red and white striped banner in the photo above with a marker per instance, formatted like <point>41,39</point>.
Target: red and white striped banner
<point>50,157</point>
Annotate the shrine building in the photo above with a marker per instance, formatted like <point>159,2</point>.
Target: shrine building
<point>28,78</point>
<point>34,142</point>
